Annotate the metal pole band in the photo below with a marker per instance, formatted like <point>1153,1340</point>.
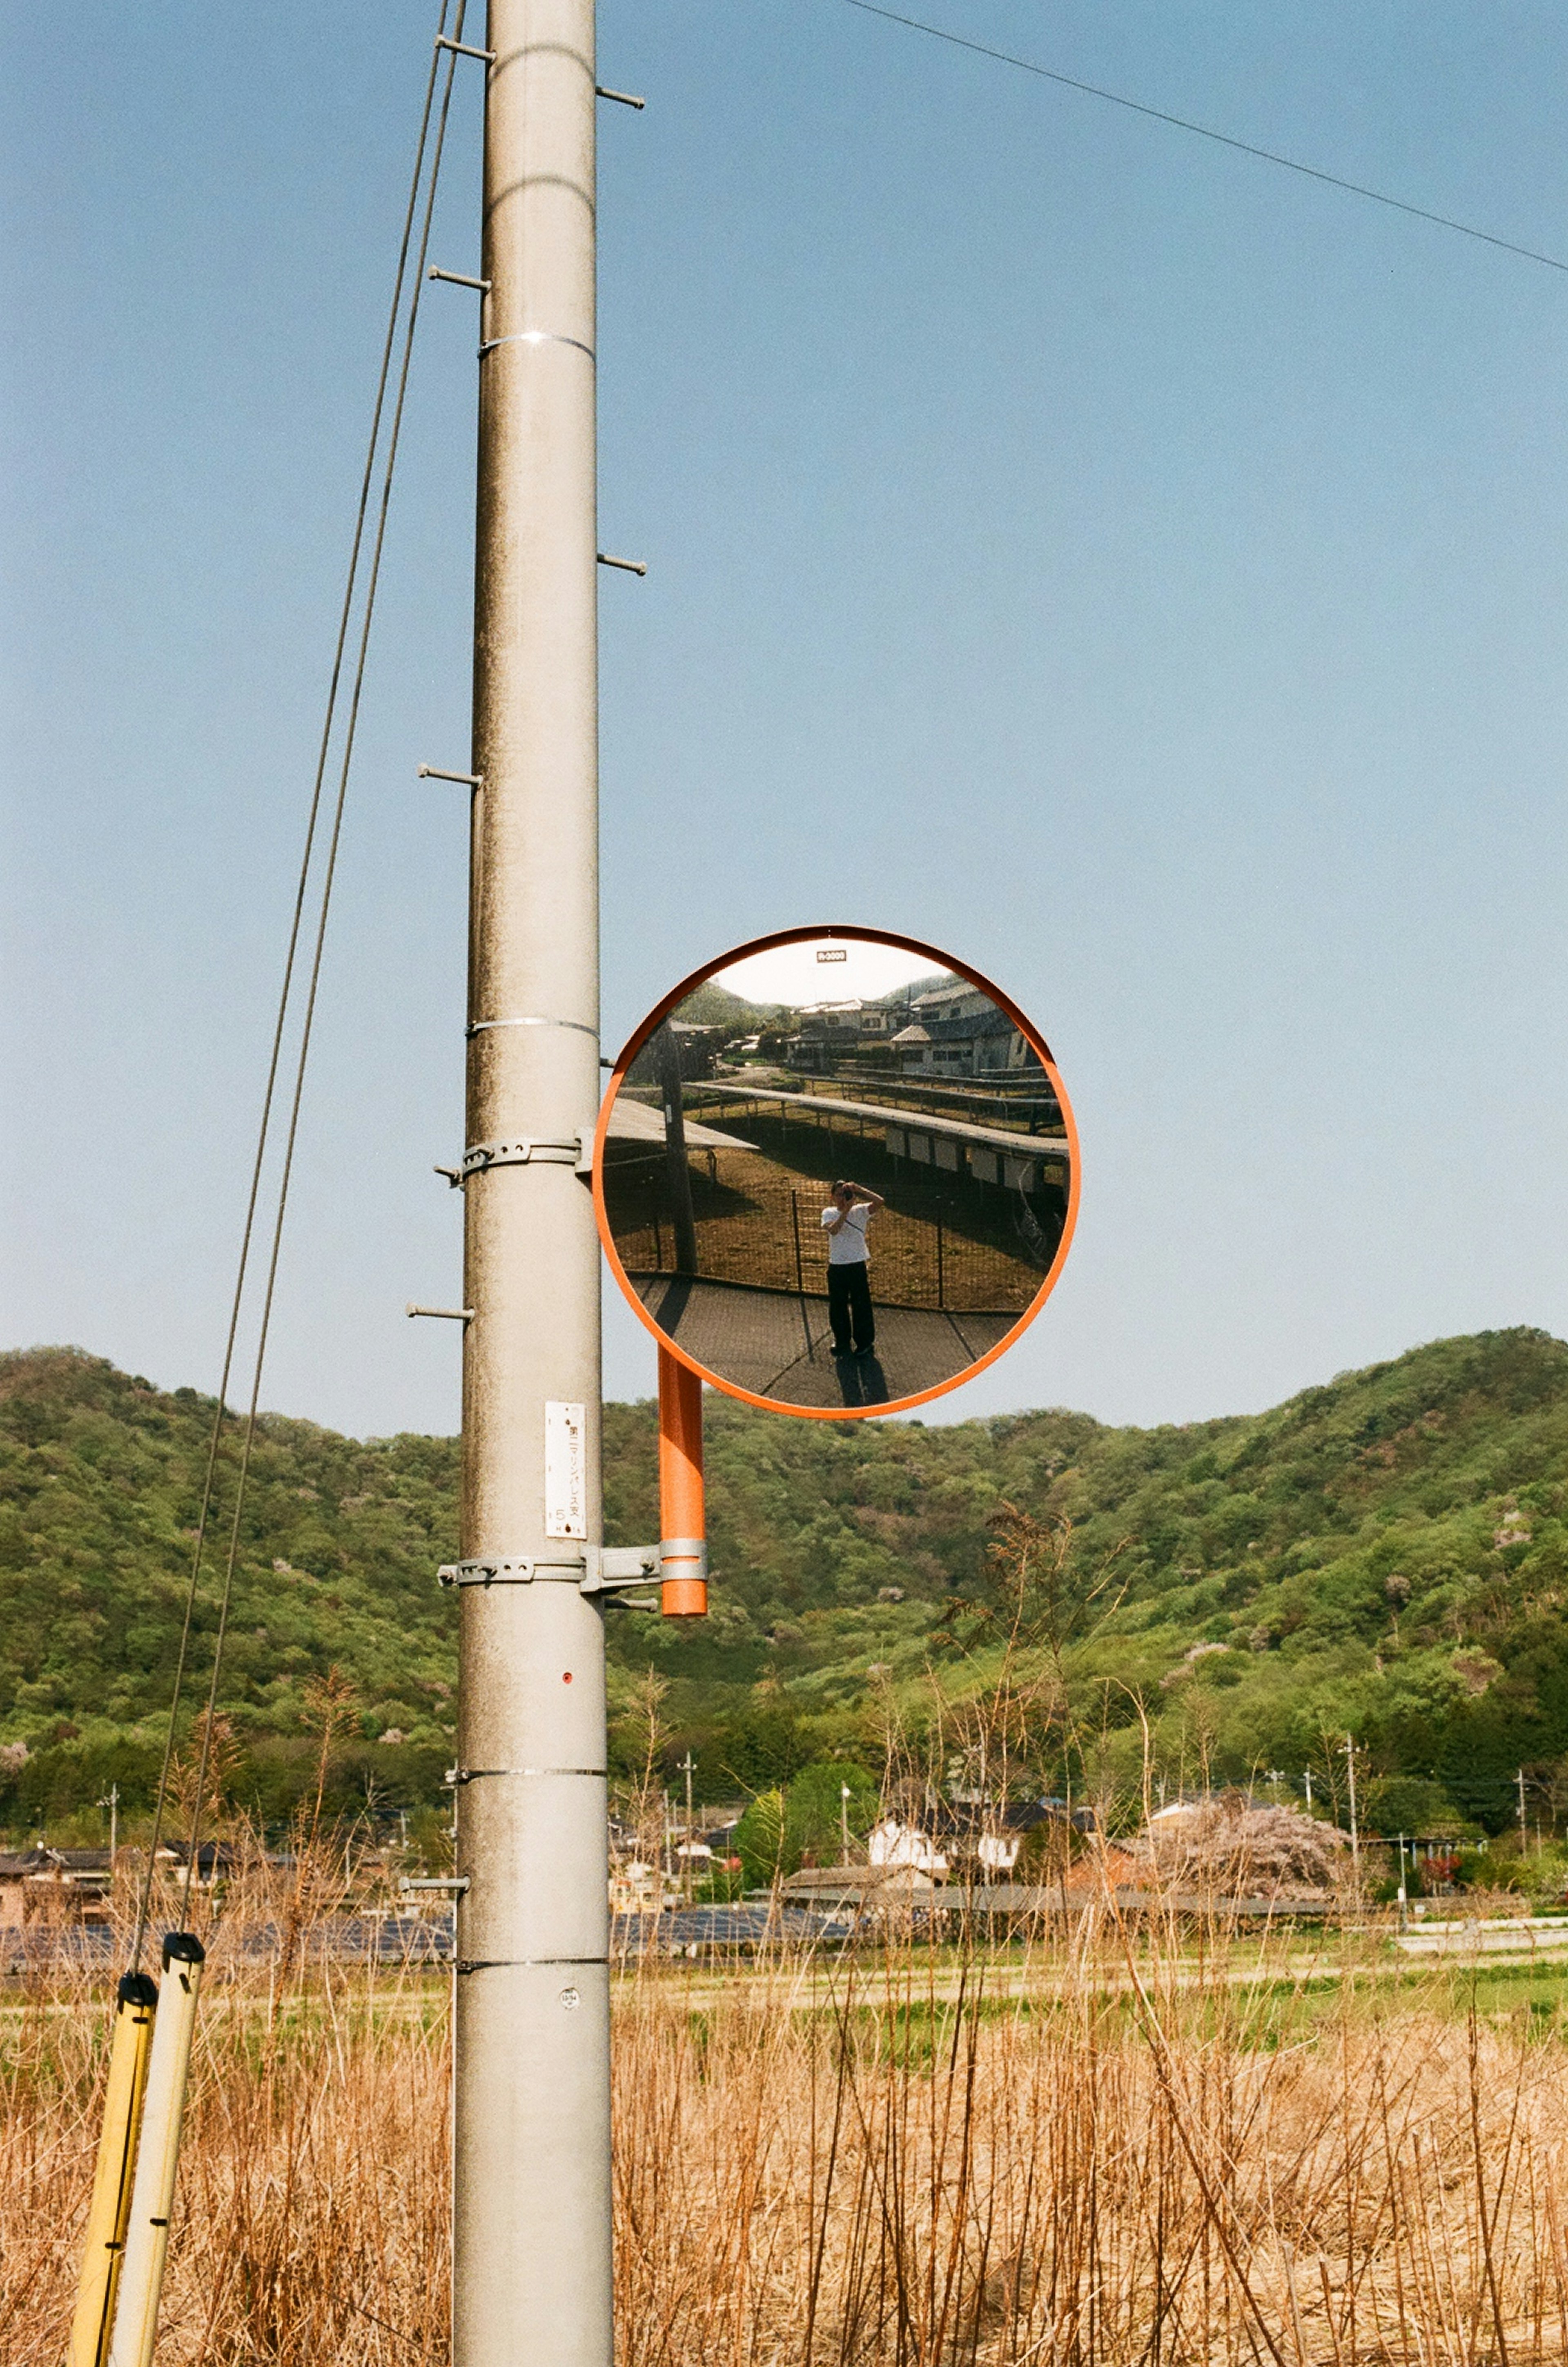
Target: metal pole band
<point>510,1569</point>
<point>686,1549</point>
<point>578,1026</point>
<point>535,337</point>
<point>575,1150</point>
<point>598,1569</point>
<point>455,1775</point>
<point>520,1964</point>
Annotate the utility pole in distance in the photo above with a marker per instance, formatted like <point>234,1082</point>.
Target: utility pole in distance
<point>111,1801</point>
<point>688,1766</point>
<point>531,2220</point>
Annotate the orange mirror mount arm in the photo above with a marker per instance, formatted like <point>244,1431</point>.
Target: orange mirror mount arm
<point>683,1521</point>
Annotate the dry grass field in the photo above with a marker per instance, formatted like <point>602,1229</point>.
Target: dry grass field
<point>1118,2150</point>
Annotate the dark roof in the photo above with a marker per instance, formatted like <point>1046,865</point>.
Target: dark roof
<point>209,1854</point>
<point>1018,1816</point>
<point>25,1863</point>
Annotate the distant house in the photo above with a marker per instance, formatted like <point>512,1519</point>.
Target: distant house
<point>215,1860</point>
<point>957,1031</point>
<point>860,1892</point>
<point>697,1049</point>
<point>825,1033</point>
<point>897,1847</point>
<point>985,1837</point>
<point>53,1883</point>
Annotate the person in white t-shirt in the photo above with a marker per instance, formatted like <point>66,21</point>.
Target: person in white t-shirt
<point>849,1281</point>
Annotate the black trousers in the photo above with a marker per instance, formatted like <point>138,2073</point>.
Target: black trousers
<point>849,1306</point>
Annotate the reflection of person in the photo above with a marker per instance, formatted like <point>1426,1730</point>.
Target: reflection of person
<point>848,1284</point>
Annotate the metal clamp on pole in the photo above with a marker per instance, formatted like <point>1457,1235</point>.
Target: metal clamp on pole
<point>511,1569</point>
<point>690,1553</point>
<point>453,1882</point>
<point>574,1151</point>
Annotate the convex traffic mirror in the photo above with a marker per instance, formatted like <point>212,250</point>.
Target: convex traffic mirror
<point>836,1173</point>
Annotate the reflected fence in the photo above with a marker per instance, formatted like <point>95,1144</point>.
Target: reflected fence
<point>764,1232</point>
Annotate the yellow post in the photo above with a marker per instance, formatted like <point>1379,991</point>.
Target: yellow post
<point>157,2158</point>
<point>110,2207</point>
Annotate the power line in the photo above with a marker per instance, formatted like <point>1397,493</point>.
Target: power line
<point>1206,131</point>
<point>285,992</point>
<point>334,842</point>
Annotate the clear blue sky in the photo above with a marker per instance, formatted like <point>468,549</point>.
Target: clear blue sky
<point>1127,564</point>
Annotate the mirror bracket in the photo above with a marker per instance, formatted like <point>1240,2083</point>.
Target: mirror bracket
<point>610,1569</point>
<point>604,1571</point>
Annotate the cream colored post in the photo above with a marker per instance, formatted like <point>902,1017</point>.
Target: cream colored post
<point>532,2094</point>
<point>157,2157</point>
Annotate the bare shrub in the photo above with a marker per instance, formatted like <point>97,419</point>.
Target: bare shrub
<point>1228,1845</point>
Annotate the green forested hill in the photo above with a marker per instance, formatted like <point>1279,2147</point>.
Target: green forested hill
<point>1384,1555</point>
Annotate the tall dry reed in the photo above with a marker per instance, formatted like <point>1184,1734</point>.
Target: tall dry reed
<point>1116,2148</point>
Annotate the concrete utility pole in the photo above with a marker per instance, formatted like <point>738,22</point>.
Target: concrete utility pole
<point>532,2104</point>
<point>1355,1835</point>
<point>1524,1828</point>
<point>688,1765</point>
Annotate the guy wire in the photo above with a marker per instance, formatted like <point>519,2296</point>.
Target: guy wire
<point>333,844</point>
<point>144,1905</point>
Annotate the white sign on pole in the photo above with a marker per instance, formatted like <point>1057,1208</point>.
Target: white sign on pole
<point>566,1470</point>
